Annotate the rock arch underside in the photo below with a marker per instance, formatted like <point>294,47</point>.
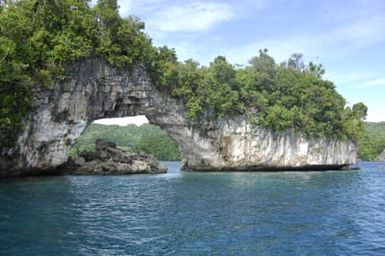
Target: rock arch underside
<point>93,89</point>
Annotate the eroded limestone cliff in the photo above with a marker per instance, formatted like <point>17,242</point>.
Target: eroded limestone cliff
<point>93,89</point>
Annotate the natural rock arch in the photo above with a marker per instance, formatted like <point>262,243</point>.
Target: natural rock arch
<point>93,89</point>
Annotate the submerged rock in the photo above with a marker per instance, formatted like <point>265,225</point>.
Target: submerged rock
<point>93,89</point>
<point>109,160</point>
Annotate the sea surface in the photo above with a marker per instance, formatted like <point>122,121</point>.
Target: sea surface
<point>183,213</point>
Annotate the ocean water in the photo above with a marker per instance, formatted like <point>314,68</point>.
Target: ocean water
<point>182,213</point>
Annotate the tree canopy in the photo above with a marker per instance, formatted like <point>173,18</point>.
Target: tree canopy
<point>290,95</point>
<point>38,36</point>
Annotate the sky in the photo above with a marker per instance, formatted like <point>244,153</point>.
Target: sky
<point>346,36</point>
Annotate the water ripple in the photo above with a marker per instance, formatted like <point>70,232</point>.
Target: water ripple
<point>287,213</point>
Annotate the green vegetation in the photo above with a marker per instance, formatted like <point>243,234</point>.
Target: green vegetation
<point>37,37</point>
<point>290,95</point>
<point>147,138</point>
<point>373,143</point>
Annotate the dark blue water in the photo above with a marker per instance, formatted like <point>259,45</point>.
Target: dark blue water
<point>286,213</point>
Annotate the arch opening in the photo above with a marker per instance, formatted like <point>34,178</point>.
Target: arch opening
<point>92,90</point>
<point>130,134</point>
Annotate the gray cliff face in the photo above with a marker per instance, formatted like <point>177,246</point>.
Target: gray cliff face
<point>242,146</point>
<point>93,90</point>
<point>381,157</point>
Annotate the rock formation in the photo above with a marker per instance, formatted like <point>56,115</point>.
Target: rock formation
<point>381,157</point>
<point>93,89</point>
<point>109,160</point>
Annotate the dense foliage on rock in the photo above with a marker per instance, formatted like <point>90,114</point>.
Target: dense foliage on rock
<point>37,37</point>
<point>372,144</point>
<point>290,95</point>
<point>147,138</point>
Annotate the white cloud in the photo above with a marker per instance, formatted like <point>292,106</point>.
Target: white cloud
<point>339,11</point>
<point>359,80</point>
<point>123,121</point>
<point>376,112</point>
<point>190,17</point>
<point>178,16</point>
<point>137,8</point>
<point>125,7</point>
<point>359,33</point>
<point>371,83</point>
<point>336,41</point>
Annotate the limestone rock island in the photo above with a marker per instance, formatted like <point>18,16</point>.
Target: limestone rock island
<point>62,71</point>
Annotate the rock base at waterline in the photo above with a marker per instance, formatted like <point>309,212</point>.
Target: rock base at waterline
<point>109,160</point>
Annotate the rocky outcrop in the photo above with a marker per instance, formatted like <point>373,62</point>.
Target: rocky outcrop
<point>381,157</point>
<point>93,89</point>
<point>240,145</point>
<point>109,160</point>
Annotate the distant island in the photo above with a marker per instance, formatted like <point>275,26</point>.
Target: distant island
<point>64,64</point>
<point>371,146</point>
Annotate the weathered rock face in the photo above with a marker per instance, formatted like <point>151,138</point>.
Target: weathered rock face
<point>381,157</point>
<point>93,90</point>
<point>242,146</point>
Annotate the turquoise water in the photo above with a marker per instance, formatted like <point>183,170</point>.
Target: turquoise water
<point>179,213</point>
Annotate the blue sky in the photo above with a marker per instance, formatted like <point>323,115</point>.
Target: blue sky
<point>346,36</point>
